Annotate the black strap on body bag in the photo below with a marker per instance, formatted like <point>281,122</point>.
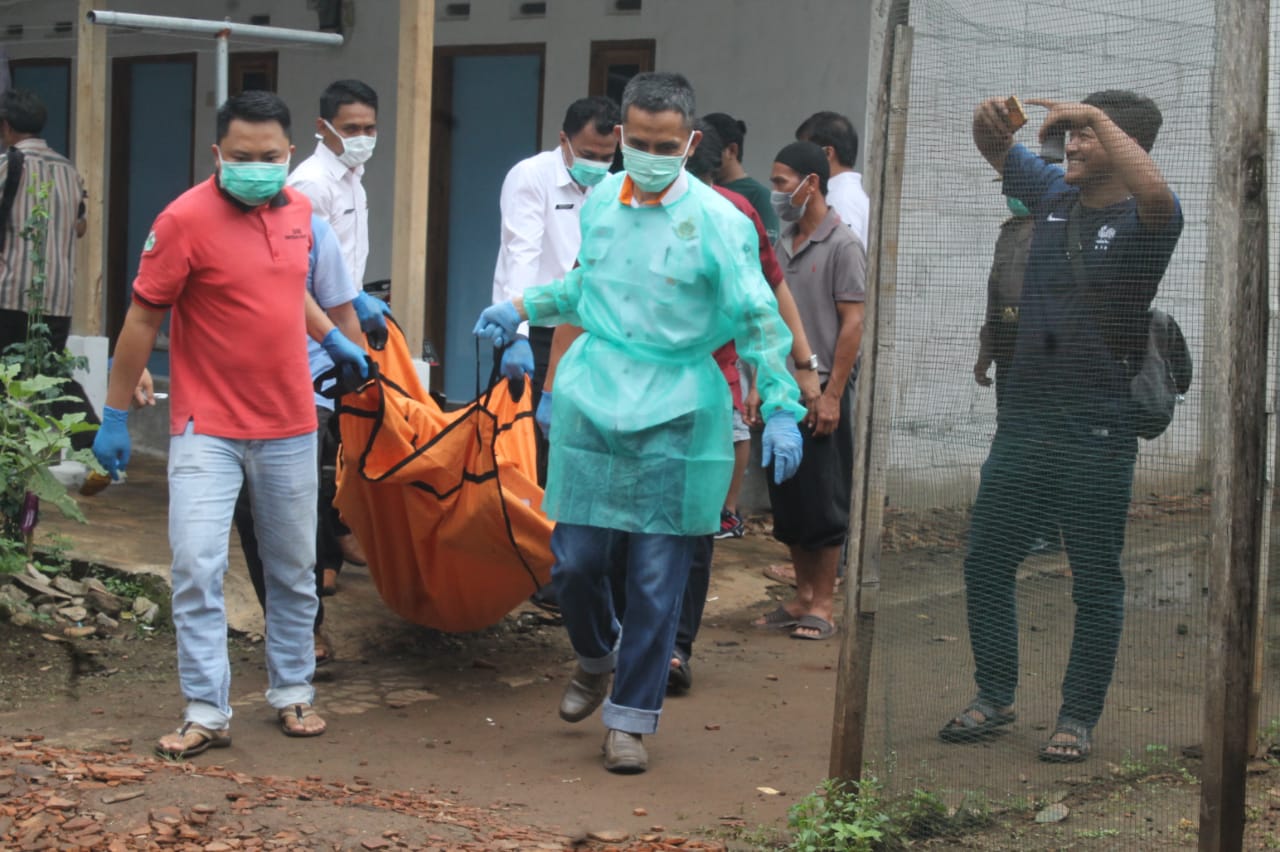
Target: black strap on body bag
<point>1159,381</point>
<point>12,176</point>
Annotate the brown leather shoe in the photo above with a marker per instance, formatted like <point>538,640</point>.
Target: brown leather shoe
<point>624,753</point>
<point>351,550</point>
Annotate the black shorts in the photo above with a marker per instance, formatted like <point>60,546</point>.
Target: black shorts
<point>811,509</point>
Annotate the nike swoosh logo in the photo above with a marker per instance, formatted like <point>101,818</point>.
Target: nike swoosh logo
<point>1053,218</point>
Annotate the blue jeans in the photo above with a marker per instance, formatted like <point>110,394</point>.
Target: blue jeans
<point>1081,482</point>
<point>205,475</point>
<point>590,562</point>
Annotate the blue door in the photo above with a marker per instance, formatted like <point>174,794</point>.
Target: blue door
<point>51,82</point>
<point>155,105</point>
<point>495,108</point>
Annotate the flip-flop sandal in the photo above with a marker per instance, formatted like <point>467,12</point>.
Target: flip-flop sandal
<point>779,619</point>
<point>822,628</point>
<point>209,738</point>
<point>679,676</point>
<point>324,650</point>
<point>964,728</point>
<point>1075,751</point>
<point>298,713</point>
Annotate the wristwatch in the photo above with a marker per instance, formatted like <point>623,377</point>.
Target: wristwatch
<point>811,364</point>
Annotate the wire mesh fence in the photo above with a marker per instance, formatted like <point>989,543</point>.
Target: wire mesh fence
<point>1031,537</point>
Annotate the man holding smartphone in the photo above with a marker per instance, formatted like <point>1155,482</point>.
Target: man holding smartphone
<point>1065,445</point>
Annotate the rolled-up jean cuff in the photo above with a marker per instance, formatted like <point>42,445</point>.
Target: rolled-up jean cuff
<point>599,665</point>
<point>285,696</point>
<point>204,713</point>
<point>629,719</point>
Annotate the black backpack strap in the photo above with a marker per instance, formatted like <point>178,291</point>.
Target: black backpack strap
<point>12,177</point>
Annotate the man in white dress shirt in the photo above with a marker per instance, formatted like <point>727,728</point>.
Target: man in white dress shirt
<point>834,134</point>
<point>541,199</point>
<point>347,131</point>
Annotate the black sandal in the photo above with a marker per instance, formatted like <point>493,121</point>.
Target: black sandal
<point>964,728</point>
<point>679,677</point>
<point>1068,752</point>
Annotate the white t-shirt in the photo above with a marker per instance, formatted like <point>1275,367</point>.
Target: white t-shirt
<point>845,193</point>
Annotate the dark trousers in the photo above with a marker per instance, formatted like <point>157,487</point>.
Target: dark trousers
<point>328,553</point>
<point>13,329</point>
<point>1080,480</point>
<point>695,596</point>
<point>540,343</point>
<point>811,509</point>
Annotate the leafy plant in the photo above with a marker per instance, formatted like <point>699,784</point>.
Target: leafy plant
<point>31,437</point>
<point>839,818</point>
<point>922,815</point>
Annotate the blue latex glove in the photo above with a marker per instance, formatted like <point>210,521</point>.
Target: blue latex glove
<point>517,360</point>
<point>782,445</point>
<point>498,323</point>
<point>373,313</point>
<point>543,415</point>
<point>111,446</point>
<point>350,359</point>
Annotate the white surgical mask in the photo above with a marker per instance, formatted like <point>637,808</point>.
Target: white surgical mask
<point>356,150</point>
<point>784,205</point>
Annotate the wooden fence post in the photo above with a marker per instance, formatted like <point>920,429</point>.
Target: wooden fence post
<point>873,410</point>
<point>1239,239</point>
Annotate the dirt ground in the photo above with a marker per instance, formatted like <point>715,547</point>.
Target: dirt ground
<point>452,741</point>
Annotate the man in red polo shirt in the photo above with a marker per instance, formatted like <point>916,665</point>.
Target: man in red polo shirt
<point>229,259</point>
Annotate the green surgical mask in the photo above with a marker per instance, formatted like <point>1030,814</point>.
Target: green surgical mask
<point>252,183</point>
<point>1016,207</point>
<point>587,172</point>
<point>653,172</point>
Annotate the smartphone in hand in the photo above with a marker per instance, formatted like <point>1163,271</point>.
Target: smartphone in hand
<point>1017,115</point>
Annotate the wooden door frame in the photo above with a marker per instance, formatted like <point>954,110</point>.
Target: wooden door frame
<point>118,177</point>
<point>437,283</point>
<point>240,61</point>
<point>597,75</point>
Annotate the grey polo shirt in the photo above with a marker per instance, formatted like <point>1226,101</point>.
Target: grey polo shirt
<point>829,267</point>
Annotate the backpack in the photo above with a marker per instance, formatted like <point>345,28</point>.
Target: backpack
<point>1162,378</point>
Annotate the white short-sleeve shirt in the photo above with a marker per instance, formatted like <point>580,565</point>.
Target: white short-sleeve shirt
<point>845,193</point>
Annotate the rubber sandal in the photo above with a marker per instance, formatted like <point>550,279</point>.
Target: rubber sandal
<point>779,619</point>
<point>209,738</point>
<point>298,713</point>
<point>679,676</point>
<point>964,728</point>
<point>1078,750</point>
<point>324,649</point>
<point>823,629</point>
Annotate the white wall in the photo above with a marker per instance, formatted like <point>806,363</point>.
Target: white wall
<point>770,63</point>
<point>966,50</point>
